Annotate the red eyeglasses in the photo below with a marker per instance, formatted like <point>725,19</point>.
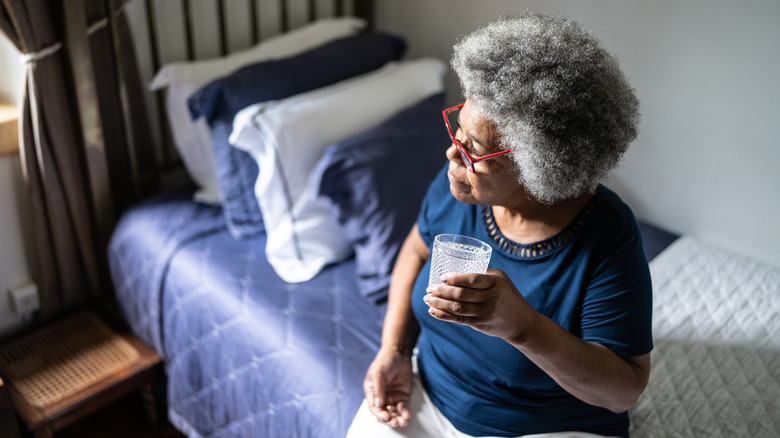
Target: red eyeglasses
<point>468,160</point>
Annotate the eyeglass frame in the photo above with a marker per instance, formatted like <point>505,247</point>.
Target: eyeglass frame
<point>467,159</point>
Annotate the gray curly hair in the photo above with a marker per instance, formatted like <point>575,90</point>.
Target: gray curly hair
<point>558,100</point>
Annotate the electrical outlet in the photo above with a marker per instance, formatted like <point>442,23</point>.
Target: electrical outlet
<point>25,299</point>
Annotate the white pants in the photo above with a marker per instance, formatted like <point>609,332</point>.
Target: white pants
<point>426,422</point>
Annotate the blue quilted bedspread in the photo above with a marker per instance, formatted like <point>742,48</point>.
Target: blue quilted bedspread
<point>246,354</point>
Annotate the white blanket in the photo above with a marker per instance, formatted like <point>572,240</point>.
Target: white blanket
<point>716,362</point>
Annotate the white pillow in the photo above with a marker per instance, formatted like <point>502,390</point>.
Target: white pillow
<point>191,138</point>
<point>286,139</point>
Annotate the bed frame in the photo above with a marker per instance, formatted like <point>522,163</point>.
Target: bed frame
<point>116,46</point>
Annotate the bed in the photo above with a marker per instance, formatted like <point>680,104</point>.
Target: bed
<point>716,362</point>
<point>262,281</point>
<point>246,354</point>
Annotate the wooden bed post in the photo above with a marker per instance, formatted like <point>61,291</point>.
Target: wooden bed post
<point>365,9</point>
<point>115,128</point>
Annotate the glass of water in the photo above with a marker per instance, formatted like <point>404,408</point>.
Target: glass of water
<point>456,253</point>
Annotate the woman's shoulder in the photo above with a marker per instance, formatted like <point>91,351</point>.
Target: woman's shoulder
<point>612,211</point>
<point>610,226</point>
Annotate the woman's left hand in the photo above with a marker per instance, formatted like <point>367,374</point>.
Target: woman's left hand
<point>489,303</point>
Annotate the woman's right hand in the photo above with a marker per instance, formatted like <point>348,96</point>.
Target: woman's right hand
<point>389,378</point>
<point>387,386</point>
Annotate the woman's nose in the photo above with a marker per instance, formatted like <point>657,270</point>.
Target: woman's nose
<point>452,154</point>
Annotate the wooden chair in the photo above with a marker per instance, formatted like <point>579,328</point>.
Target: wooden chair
<point>63,371</point>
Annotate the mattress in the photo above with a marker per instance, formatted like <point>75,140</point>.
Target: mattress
<point>716,362</point>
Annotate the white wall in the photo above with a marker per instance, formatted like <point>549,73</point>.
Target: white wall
<point>707,72</point>
<point>14,269</point>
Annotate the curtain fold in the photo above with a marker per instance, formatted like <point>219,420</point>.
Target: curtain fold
<point>53,164</point>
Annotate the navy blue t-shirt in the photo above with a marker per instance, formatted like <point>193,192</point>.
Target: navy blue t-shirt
<point>592,279</point>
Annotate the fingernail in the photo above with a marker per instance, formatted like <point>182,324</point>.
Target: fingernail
<point>444,278</point>
<point>427,298</point>
<point>429,290</point>
<point>377,402</point>
<point>432,311</point>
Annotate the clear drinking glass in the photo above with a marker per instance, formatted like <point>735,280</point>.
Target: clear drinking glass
<point>456,253</point>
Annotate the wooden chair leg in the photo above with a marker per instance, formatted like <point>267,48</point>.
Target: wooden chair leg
<point>45,431</point>
<point>149,403</point>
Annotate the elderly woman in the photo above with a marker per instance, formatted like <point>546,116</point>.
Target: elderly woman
<point>556,337</point>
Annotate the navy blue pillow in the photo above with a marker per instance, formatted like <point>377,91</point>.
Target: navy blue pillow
<point>220,100</point>
<point>377,180</point>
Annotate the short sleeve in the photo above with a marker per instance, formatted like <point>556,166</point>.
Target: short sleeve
<point>618,302</point>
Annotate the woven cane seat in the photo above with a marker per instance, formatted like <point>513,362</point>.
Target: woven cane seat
<point>57,361</point>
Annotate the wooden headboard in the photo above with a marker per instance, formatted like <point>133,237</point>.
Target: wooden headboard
<point>116,46</point>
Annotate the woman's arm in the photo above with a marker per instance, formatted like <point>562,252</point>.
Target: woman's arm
<point>400,329</point>
<point>591,372</point>
<point>388,381</point>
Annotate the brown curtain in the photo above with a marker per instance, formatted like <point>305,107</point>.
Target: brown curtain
<point>52,159</point>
